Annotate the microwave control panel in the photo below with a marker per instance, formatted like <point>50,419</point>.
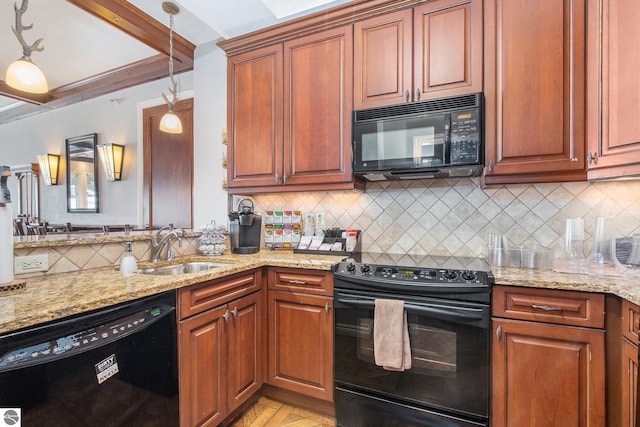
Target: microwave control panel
<point>465,137</point>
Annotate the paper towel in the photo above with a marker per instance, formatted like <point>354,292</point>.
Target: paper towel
<point>6,244</point>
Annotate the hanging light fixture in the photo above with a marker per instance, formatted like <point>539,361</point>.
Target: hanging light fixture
<point>49,165</point>
<point>112,157</point>
<point>23,74</point>
<point>170,122</point>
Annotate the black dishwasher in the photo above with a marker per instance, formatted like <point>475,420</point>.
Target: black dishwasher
<point>111,367</point>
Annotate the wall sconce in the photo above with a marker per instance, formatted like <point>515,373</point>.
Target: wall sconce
<point>112,157</point>
<point>49,165</point>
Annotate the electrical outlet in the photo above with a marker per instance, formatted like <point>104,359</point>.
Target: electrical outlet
<point>31,263</point>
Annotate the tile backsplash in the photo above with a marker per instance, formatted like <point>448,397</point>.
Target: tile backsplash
<point>455,217</point>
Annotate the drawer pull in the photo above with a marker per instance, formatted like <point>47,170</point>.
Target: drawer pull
<point>226,316</point>
<point>499,333</point>
<point>297,282</point>
<point>546,307</point>
<point>327,307</point>
<point>235,312</point>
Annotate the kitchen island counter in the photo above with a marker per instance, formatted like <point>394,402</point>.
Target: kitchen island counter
<point>55,296</point>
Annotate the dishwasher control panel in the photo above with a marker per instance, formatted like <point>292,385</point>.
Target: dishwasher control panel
<point>68,345</point>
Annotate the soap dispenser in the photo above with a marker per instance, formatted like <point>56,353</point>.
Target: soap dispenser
<point>128,264</point>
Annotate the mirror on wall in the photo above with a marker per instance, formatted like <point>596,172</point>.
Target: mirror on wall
<point>82,174</point>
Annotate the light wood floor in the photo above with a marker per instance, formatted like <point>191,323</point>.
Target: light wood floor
<point>271,413</point>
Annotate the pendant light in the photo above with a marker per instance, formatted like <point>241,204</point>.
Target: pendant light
<point>23,74</point>
<point>170,122</point>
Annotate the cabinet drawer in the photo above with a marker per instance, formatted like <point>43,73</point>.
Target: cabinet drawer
<point>630,321</point>
<point>549,306</point>
<point>315,282</point>
<point>212,293</point>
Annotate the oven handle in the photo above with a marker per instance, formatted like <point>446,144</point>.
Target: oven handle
<point>457,314</point>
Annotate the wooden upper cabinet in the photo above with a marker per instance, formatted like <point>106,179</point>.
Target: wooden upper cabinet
<point>318,73</point>
<point>433,50</point>
<point>255,117</point>
<point>535,62</point>
<point>382,59</point>
<point>448,44</point>
<point>614,128</point>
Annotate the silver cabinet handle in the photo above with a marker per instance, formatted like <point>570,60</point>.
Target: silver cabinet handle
<point>406,95</point>
<point>235,312</point>
<point>226,316</point>
<point>284,179</point>
<point>592,158</point>
<point>327,307</point>
<point>499,333</point>
<point>546,307</point>
<point>491,165</point>
<point>277,177</point>
<point>418,93</point>
<point>297,282</point>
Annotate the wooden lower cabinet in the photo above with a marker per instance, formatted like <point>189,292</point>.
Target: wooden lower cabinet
<point>220,360</point>
<point>629,383</point>
<point>546,373</point>
<point>301,344</point>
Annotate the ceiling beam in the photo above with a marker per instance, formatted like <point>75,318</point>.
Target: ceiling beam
<point>131,20</point>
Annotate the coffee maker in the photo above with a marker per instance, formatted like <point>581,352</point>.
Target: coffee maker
<point>245,227</point>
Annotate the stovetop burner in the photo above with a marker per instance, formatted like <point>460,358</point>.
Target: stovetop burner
<point>416,275</point>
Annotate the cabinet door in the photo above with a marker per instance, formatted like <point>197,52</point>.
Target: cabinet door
<point>301,344</point>
<point>318,72</point>
<point>203,361</point>
<point>547,375</point>
<point>629,383</point>
<point>255,118</point>
<point>447,49</point>
<point>535,79</point>
<point>245,349</point>
<point>614,128</point>
<point>382,52</point>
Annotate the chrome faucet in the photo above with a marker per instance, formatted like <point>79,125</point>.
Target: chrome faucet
<point>158,244</point>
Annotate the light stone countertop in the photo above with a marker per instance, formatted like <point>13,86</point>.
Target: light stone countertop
<point>55,296</point>
<point>85,238</point>
<point>627,287</point>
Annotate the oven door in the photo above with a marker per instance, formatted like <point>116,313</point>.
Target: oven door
<point>449,350</point>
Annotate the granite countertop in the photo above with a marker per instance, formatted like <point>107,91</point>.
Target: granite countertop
<point>55,296</point>
<point>627,286</point>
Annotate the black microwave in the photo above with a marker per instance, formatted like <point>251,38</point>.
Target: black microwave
<point>438,138</point>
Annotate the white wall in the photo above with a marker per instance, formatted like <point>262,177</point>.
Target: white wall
<point>119,121</point>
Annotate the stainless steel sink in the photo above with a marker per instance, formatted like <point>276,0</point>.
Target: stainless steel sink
<point>184,268</point>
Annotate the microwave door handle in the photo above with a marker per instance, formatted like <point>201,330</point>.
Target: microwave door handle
<point>458,314</point>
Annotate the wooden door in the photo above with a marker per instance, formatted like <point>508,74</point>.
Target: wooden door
<point>301,343</point>
<point>447,49</point>
<point>382,65</point>
<point>547,375</point>
<point>255,118</point>
<point>203,368</point>
<point>614,106</point>
<point>245,349</point>
<point>534,89</point>
<point>629,383</point>
<point>168,168</point>
<point>318,72</point>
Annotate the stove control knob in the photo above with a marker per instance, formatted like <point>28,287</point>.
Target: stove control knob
<point>449,274</point>
<point>366,268</point>
<point>351,268</point>
<point>468,275</point>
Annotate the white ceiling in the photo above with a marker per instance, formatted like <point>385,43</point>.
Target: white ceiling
<point>78,45</point>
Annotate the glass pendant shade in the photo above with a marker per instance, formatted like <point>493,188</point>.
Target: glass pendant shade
<point>49,165</point>
<point>170,123</point>
<point>24,75</point>
<point>112,158</point>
